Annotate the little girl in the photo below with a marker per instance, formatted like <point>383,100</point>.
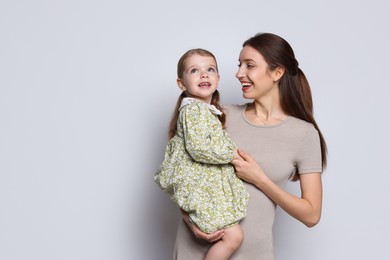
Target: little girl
<point>196,171</point>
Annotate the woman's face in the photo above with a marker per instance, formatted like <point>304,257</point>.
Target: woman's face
<point>253,73</point>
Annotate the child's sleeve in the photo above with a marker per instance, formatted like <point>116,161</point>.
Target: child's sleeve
<point>205,140</point>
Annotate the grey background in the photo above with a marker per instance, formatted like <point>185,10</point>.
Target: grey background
<point>86,92</point>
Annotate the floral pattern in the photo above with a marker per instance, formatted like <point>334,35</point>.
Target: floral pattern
<point>196,171</point>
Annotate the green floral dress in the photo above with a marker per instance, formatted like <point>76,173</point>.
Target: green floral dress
<point>196,171</point>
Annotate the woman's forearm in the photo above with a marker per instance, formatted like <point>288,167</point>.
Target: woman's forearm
<point>306,208</point>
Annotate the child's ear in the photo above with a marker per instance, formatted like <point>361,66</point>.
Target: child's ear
<point>181,84</point>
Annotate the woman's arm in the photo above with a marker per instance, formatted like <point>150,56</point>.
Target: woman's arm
<point>306,208</point>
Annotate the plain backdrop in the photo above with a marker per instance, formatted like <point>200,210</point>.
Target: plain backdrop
<point>86,92</point>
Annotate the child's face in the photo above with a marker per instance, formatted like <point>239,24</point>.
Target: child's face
<point>200,78</point>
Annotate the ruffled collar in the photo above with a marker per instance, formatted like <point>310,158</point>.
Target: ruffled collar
<point>188,100</point>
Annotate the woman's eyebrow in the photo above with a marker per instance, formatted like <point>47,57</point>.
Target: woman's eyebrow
<point>246,60</point>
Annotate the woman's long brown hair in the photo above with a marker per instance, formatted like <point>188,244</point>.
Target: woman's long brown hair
<point>295,94</point>
<point>215,100</point>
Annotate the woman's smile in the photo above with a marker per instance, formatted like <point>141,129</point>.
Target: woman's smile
<point>246,86</point>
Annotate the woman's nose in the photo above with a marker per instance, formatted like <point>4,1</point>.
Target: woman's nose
<point>239,74</point>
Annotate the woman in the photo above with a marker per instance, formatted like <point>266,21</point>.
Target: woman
<point>278,139</point>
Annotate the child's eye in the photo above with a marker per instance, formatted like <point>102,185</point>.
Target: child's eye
<point>211,69</point>
<point>193,71</point>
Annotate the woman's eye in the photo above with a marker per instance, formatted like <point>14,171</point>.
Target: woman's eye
<point>250,65</point>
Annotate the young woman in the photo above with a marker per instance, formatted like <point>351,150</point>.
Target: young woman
<point>278,139</point>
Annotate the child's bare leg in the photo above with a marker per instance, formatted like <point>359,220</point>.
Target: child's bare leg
<point>228,244</point>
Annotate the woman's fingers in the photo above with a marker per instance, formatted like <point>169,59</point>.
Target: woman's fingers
<point>212,237</point>
<point>244,155</point>
<point>241,158</point>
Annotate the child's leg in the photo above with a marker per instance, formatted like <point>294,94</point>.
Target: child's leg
<point>228,244</point>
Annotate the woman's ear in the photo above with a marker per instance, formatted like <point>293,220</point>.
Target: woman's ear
<point>181,84</point>
<point>278,73</point>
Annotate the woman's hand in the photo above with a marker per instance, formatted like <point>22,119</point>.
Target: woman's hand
<point>247,168</point>
<point>212,237</point>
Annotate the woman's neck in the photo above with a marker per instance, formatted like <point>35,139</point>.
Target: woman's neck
<point>266,113</point>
